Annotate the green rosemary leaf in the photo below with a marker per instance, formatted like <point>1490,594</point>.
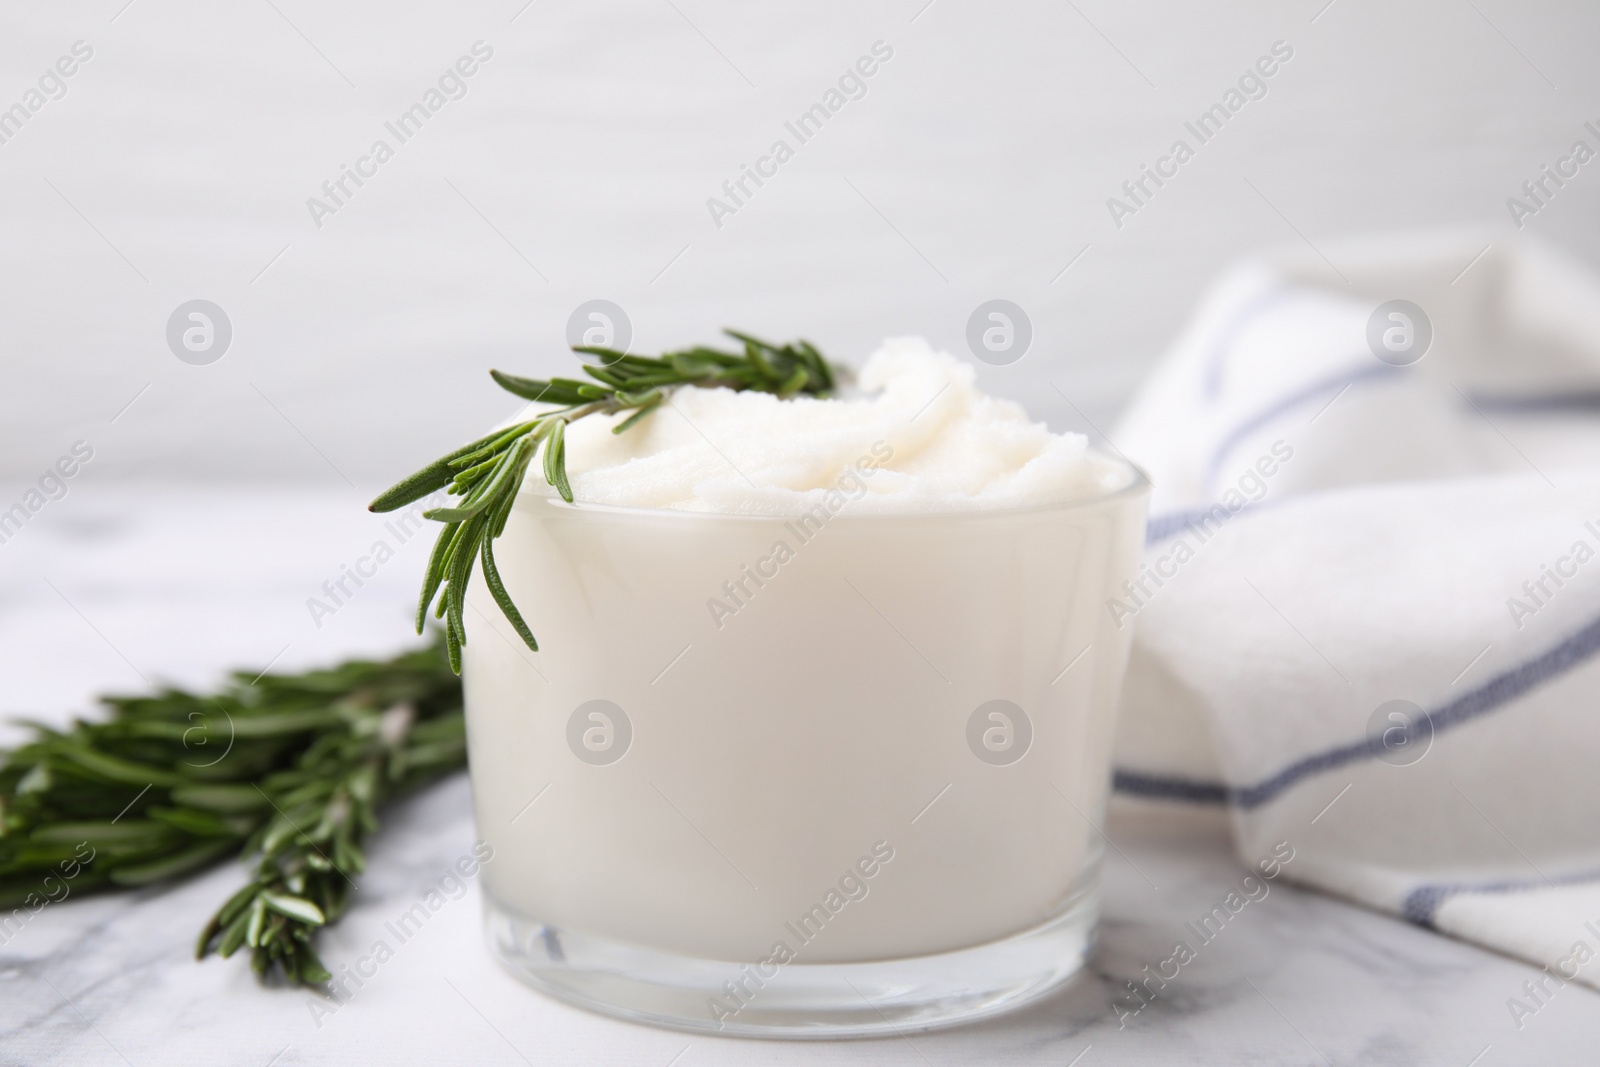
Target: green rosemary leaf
<point>294,907</point>
<point>257,922</point>
<point>750,340</point>
<point>435,571</point>
<point>442,753</point>
<point>527,388</point>
<point>453,648</point>
<point>551,452</point>
<point>468,477</point>
<point>458,514</point>
<point>605,377</point>
<point>496,444</point>
<point>644,409</point>
<point>558,446</point>
<point>510,467</point>
<point>216,923</point>
<point>131,834</point>
<point>431,478</point>
<point>233,938</point>
<point>198,823</point>
<point>497,589</point>
<point>280,724</point>
<point>508,498</point>
<point>281,831</point>
<point>794,383</point>
<point>235,905</point>
<point>227,799</point>
<point>821,372</point>
<point>458,574</point>
<point>667,377</point>
<point>758,359</point>
<point>160,870</point>
<point>690,367</point>
<point>633,398</point>
<point>117,769</point>
<point>310,970</point>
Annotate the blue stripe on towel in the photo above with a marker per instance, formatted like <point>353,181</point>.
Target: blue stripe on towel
<point>1174,523</point>
<point>1496,693</point>
<point>1576,402</point>
<point>1132,783</point>
<point>1161,527</point>
<point>1422,903</point>
<point>1221,348</point>
<point>1333,384</point>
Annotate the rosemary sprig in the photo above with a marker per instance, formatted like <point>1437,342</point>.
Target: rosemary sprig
<point>287,768</point>
<point>488,472</point>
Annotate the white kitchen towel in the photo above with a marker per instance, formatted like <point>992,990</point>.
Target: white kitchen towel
<point>1369,615</point>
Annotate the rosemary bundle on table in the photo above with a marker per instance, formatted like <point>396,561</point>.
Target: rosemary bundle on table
<point>287,769</point>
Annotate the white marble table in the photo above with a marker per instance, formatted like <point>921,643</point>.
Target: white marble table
<point>116,585</point>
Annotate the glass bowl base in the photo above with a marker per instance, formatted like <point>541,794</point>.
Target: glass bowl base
<point>800,1000</point>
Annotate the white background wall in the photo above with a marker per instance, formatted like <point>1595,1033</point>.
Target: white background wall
<point>978,165</point>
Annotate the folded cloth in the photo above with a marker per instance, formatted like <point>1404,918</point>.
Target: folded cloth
<point>1369,613</point>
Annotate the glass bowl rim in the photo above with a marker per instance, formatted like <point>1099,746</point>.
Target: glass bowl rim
<point>1138,486</point>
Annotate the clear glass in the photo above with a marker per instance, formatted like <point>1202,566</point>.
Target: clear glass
<point>820,777</point>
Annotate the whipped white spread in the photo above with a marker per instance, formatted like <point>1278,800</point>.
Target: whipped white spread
<point>913,435</point>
